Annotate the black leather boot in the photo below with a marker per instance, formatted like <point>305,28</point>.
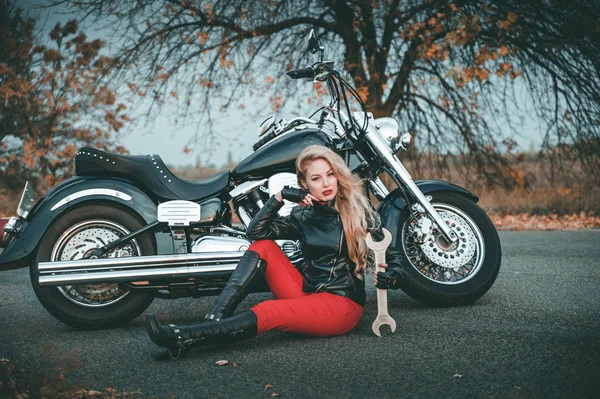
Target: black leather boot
<point>179,339</point>
<point>236,289</point>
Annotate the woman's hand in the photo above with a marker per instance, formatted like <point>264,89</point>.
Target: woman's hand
<point>387,279</point>
<point>383,266</point>
<point>297,195</point>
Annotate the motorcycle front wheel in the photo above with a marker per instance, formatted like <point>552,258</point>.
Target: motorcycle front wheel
<point>442,274</point>
<point>71,237</point>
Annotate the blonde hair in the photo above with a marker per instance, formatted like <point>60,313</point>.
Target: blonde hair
<point>351,203</point>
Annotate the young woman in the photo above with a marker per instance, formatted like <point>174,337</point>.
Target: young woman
<point>323,297</point>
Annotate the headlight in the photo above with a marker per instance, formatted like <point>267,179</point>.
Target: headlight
<point>388,130</point>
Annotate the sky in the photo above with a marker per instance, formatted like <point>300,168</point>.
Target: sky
<point>237,130</point>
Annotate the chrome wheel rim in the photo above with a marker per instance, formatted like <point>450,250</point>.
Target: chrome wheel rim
<point>439,261</point>
<point>78,241</point>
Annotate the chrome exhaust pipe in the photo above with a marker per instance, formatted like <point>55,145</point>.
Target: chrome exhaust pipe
<point>147,268</point>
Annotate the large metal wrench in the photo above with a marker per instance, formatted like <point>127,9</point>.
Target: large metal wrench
<point>379,248</point>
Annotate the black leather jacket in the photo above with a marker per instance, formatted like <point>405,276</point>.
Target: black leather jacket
<point>327,266</point>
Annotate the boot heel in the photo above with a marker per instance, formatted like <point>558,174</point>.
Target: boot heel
<point>159,334</point>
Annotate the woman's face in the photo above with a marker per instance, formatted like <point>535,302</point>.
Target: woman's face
<point>320,180</point>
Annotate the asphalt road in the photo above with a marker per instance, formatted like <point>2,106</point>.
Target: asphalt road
<point>536,333</point>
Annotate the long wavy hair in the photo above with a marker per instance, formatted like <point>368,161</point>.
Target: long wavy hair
<point>351,203</point>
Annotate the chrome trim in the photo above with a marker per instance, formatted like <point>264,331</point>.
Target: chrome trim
<point>76,294</point>
<point>137,261</point>
<point>383,150</point>
<point>11,225</point>
<point>154,267</point>
<point>405,141</point>
<point>388,130</point>
<point>379,189</point>
<point>91,191</point>
<point>213,243</point>
<point>246,187</point>
<point>121,276</point>
<point>478,255</point>
<point>26,202</point>
<point>244,216</point>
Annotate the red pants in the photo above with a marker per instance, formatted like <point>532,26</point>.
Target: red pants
<point>319,314</point>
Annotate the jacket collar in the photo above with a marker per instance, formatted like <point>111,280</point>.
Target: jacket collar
<point>328,206</point>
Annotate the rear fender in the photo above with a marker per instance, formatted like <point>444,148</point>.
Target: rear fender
<point>78,192</point>
<point>394,205</point>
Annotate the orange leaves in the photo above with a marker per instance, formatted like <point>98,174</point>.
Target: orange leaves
<point>70,28</point>
<point>51,56</point>
<point>203,37</point>
<point>206,83</point>
<point>437,51</point>
<point>321,90</point>
<point>363,92</point>
<point>482,74</point>
<point>511,18</point>
<point>276,102</point>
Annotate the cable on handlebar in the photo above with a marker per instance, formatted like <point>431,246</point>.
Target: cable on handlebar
<point>361,130</point>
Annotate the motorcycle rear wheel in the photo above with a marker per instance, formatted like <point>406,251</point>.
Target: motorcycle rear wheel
<point>92,306</point>
<point>442,274</point>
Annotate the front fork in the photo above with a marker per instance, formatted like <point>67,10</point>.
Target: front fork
<point>404,179</point>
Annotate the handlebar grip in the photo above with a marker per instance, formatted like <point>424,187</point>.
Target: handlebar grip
<point>308,72</point>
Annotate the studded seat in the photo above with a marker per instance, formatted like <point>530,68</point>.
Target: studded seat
<point>150,172</point>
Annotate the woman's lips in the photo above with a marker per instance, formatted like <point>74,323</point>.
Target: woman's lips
<point>327,192</point>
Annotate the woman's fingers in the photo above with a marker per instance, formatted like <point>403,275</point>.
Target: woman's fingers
<point>383,265</point>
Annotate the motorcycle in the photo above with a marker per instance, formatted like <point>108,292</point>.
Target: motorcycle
<point>125,230</point>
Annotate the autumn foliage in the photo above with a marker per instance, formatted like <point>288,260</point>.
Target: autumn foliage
<point>464,76</point>
<point>53,100</point>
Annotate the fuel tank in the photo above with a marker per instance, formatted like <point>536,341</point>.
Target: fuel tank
<point>279,155</point>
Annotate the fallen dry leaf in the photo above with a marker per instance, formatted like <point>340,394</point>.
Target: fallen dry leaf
<point>109,389</point>
<point>545,222</point>
<point>222,362</point>
<point>268,386</point>
<point>458,375</point>
<point>235,364</point>
<point>94,393</point>
<point>275,394</point>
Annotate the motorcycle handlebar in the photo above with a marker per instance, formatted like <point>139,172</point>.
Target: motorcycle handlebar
<point>308,72</point>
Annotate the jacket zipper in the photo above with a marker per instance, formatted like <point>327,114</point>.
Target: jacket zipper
<point>331,272</point>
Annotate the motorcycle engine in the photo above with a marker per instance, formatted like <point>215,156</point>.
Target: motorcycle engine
<point>250,196</point>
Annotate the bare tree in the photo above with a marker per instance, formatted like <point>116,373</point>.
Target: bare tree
<point>454,72</point>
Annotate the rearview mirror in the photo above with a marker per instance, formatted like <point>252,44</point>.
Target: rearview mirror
<point>313,42</point>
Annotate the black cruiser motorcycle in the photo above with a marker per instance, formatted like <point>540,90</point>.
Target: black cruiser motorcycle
<point>103,244</point>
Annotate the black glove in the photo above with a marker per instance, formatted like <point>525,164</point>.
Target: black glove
<point>293,194</point>
<point>388,280</point>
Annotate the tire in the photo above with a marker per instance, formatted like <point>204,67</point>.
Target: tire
<point>92,306</point>
<point>431,273</point>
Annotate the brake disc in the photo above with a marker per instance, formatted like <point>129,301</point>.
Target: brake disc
<point>453,255</point>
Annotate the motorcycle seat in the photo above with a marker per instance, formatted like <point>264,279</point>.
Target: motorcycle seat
<point>150,172</point>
